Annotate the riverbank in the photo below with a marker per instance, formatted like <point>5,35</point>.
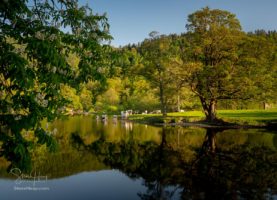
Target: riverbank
<point>228,119</point>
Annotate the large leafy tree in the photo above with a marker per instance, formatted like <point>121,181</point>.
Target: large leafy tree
<point>215,37</point>
<point>36,39</point>
<point>162,67</point>
<point>259,51</point>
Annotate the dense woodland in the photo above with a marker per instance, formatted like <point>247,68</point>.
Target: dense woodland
<point>219,68</point>
<point>56,57</point>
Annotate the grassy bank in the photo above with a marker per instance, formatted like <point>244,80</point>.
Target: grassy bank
<point>240,117</point>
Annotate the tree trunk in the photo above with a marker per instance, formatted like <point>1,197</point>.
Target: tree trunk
<point>265,105</point>
<point>212,111</point>
<point>209,109</point>
<point>178,102</point>
<point>162,101</point>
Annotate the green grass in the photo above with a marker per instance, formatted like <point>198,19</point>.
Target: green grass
<point>250,114</point>
<point>242,117</point>
<point>189,116</point>
<point>251,117</point>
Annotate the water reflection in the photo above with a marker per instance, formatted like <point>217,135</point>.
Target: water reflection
<point>214,172</point>
<point>170,162</point>
<point>243,171</point>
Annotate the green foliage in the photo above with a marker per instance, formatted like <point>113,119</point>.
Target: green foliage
<point>16,150</point>
<point>86,99</point>
<point>258,57</point>
<point>162,67</point>
<point>71,96</point>
<point>44,68</point>
<point>140,96</point>
<point>36,57</point>
<point>214,61</point>
<point>109,100</point>
<point>44,138</point>
<point>226,67</point>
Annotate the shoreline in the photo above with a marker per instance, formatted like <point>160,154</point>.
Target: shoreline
<point>198,121</point>
<point>206,125</point>
<point>202,124</point>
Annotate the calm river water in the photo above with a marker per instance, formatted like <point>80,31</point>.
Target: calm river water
<point>122,160</point>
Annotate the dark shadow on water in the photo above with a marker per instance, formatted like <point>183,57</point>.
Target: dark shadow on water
<point>240,172</point>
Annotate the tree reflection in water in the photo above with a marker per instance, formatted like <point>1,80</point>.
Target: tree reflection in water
<point>185,163</point>
<point>243,171</point>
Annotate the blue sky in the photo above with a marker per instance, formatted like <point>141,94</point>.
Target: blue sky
<point>132,20</point>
